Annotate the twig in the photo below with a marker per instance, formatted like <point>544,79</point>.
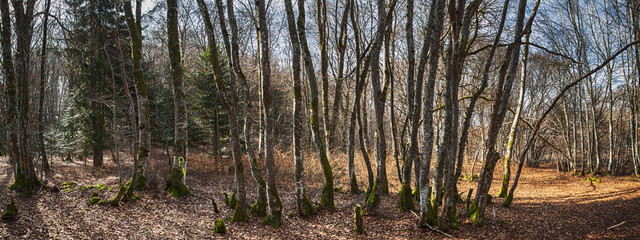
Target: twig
<point>617,225</point>
<point>432,228</point>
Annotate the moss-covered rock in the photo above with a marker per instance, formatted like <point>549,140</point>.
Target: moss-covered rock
<point>218,226</point>
<point>98,187</point>
<point>11,212</point>
<point>95,200</point>
<point>405,199</point>
<point>357,220</point>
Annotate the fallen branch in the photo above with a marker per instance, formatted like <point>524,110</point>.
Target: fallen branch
<point>617,225</point>
<point>432,228</point>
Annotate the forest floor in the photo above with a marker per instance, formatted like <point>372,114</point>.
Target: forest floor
<point>547,205</point>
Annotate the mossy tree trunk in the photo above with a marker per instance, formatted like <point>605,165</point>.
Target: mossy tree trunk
<point>142,94</point>
<point>177,178</point>
<point>275,204</point>
<point>381,185</point>
<point>436,19</point>
<point>230,99</point>
<point>341,49</point>
<point>327,190</point>
<point>353,182</point>
<point>125,194</point>
<point>25,178</point>
<point>11,116</point>
<point>506,174</point>
<point>302,202</point>
<point>501,100</point>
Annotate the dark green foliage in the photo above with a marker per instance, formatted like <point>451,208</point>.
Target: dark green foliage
<point>357,218</point>
<point>218,226</point>
<point>11,212</point>
<point>489,198</point>
<point>89,48</point>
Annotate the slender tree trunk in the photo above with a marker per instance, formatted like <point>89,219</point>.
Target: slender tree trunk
<point>43,82</point>
<point>341,48</point>
<point>144,130</point>
<point>321,7</point>
<point>125,193</point>
<point>381,185</point>
<point>327,189</point>
<point>499,109</point>
<point>275,204</point>
<point>302,202</point>
<point>353,182</point>
<point>514,125</point>
<point>435,26</point>
<point>230,101</point>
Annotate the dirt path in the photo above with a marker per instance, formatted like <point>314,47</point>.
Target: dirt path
<point>548,205</point>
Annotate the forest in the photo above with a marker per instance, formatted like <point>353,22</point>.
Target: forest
<point>320,119</point>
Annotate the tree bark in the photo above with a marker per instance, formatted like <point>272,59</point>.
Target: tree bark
<point>327,190</point>
<point>177,185</point>
<point>302,201</point>
<point>274,203</point>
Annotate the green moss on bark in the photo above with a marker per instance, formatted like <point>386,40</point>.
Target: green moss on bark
<point>259,208</point>
<point>218,226</point>
<point>176,188</point>
<point>305,207</point>
<point>405,198</point>
<point>373,201</point>
<point>233,201</point>
<point>11,212</point>
<point>358,221</point>
<point>507,200</point>
<point>239,214</point>
<point>327,197</point>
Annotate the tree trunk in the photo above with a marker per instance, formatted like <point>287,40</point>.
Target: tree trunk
<point>230,101</point>
<point>43,82</point>
<point>514,125</point>
<point>381,185</point>
<point>275,204</point>
<point>302,202</point>
<point>177,178</point>
<point>144,130</point>
<point>499,109</point>
<point>327,189</point>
